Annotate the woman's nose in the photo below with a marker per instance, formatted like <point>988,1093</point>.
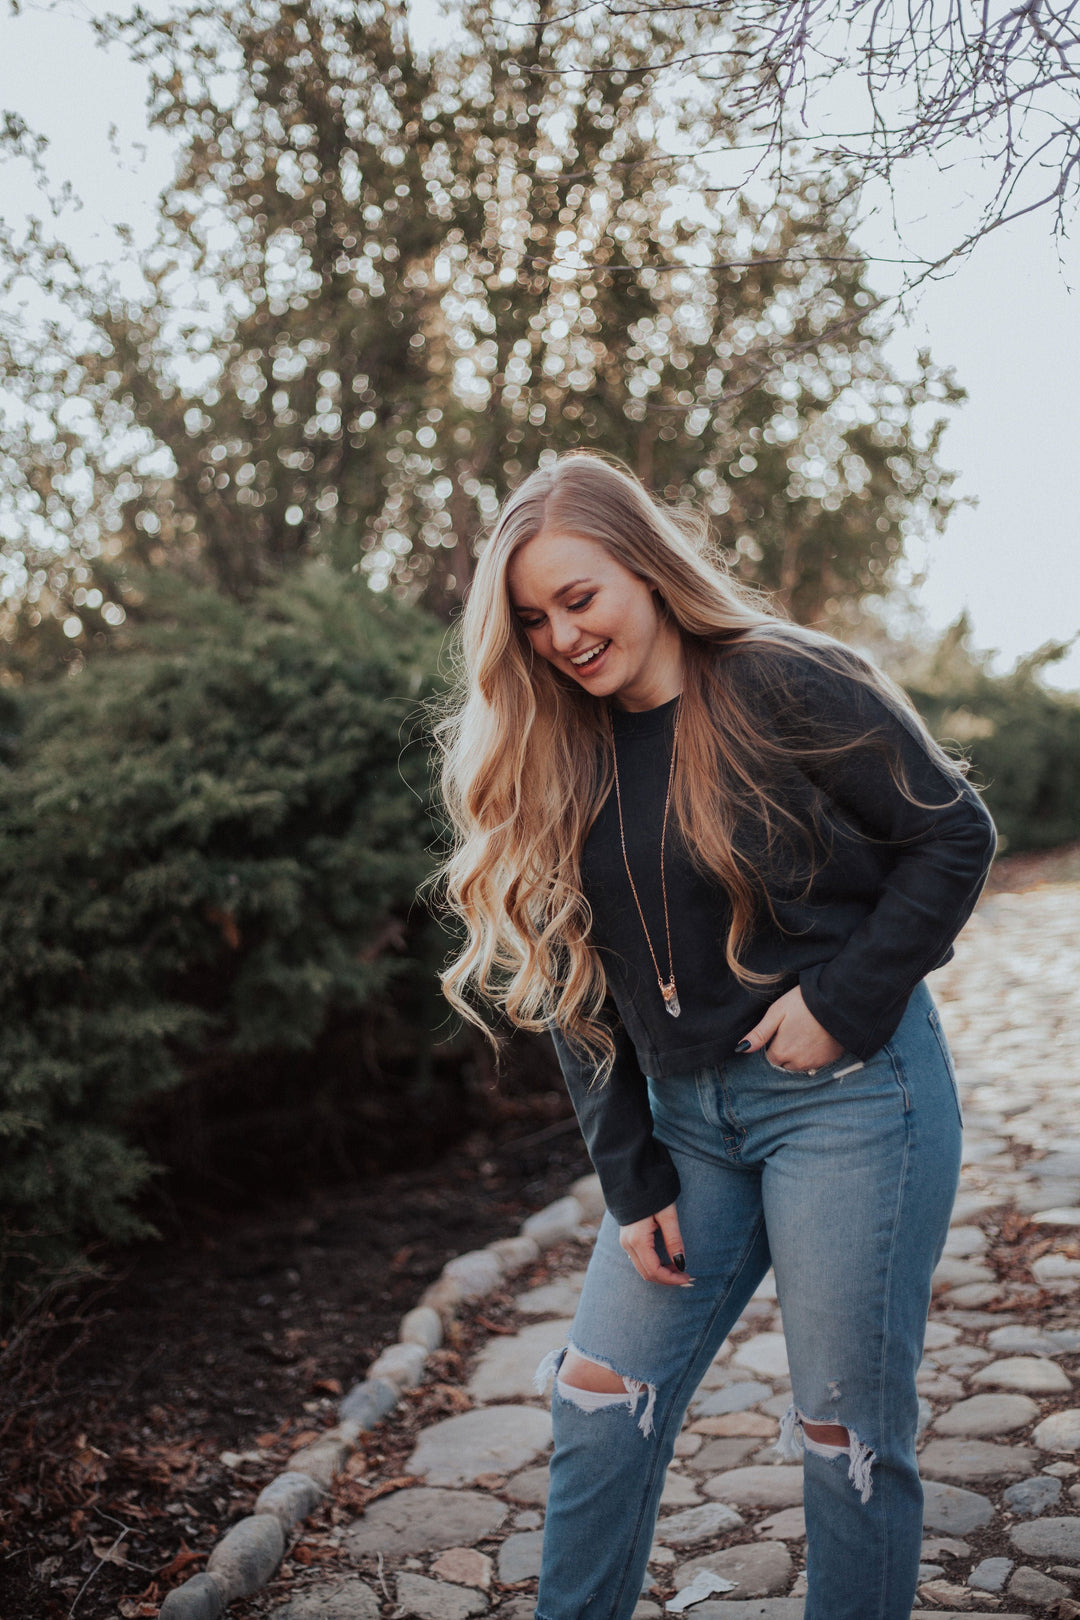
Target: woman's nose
<point>564,633</point>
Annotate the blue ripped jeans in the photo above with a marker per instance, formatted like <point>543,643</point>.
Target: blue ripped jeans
<point>844,1182</point>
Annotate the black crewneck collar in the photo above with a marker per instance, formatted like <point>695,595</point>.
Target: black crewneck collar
<point>643,722</point>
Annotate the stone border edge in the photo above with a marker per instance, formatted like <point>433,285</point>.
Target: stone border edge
<point>247,1556</point>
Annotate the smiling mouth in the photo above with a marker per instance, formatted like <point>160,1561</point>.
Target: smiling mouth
<point>584,659</point>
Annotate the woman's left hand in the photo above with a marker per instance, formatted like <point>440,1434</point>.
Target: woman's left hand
<point>794,1038</point>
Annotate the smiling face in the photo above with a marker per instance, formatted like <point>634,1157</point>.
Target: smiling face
<point>595,620</point>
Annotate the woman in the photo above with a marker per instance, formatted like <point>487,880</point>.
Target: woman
<point>715,854</point>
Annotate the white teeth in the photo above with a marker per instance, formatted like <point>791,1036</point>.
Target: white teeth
<point>594,652</point>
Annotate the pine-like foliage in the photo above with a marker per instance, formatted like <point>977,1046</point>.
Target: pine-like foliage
<point>1022,737</point>
<point>209,850</point>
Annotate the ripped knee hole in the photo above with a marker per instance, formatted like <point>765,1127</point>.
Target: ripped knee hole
<point>591,1386</point>
<point>580,1373</point>
<point>827,1434</point>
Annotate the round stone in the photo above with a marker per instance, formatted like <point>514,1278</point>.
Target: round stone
<point>1028,1374</point>
<point>964,1241</point>
<point>951,1272</point>
<point>735,1398</point>
<point>290,1497</point>
<point>400,1364</point>
<point>1032,1586</point>
<point>199,1598</point>
<point>248,1555</point>
<point>369,1401</point>
<point>437,1600</point>
<point>787,1525</point>
<point>554,1223</point>
<point>757,1486</point>
<point>422,1326</point>
<point>1033,1496</point>
<point>1048,1538</point>
<point>990,1575</point>
<point>493,1440</point>
<point>1023,1340</point>
<point>465,1566</point>
<point>697,1524</point>
<point>678,1492</point>
<point>987,1414</point>
<point>718,1455</point>
<point>765,1354</point>
<point>974,1460</point>
<point>514,1253</point>
<point>938,1335</point>
<point>519,1556</point>
<point>552,1299</point>
<point>952,1509</point>
<point>529,1486</point>
<point>475,1273</point>
<point>344,1600</point>
<point>1060,1431</point>
<point>759,1568</point>
<point>424,1520</point>
<point>506,1367</point>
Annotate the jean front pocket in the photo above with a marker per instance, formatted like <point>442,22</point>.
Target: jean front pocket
<point>934,1020</point>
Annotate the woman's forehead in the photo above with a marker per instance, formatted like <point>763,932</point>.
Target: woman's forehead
<point>551,564</point>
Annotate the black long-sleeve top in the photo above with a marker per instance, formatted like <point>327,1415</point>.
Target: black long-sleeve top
<point>892,882</point>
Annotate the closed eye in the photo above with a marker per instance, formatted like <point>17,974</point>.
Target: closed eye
<point>571,607</point>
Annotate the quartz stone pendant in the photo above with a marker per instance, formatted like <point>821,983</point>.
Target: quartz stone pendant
<point>671,998</point>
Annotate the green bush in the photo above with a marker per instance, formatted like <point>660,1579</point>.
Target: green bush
<point>1022,737</point>
<point>210,846</point>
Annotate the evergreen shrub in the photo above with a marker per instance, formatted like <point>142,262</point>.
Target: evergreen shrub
<point>211,954</point>
<point>1021,736</point>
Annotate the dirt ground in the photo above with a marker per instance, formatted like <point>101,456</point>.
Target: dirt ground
<point>140,1414</point>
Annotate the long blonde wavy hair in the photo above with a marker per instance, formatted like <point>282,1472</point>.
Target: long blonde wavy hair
<point>526,753</point>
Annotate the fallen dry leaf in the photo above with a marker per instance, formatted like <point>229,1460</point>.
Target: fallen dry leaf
<point>109,1552</point>
<point>182,1559</point>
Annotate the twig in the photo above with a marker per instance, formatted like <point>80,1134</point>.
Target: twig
<point>94,1571</point>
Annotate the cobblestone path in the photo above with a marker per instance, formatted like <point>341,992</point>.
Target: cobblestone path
<point>1001,1410</point>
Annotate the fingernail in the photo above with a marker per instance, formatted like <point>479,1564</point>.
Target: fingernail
<point>743,1046</point>
<point>679,1261</point>
<point>689,1283</point>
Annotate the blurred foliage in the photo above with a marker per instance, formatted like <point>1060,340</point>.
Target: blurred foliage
<point>210,949</point>
<point>1022,737</point>
<point>385,285</point>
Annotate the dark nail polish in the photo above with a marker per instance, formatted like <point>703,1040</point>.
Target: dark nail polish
<point>679,1261</point>
<point>743,1046</point>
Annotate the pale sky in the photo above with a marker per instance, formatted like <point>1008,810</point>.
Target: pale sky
<point>1005,319</point>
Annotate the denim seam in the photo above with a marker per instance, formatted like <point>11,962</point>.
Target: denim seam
<point>898,1068</point>
<point>934,1020</point>
<point>675,1404</point>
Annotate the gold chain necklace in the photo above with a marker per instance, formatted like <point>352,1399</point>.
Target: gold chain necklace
<point>667,986</point>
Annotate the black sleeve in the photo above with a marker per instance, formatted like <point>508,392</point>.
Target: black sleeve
<point>939,852</point>
<point>636,1172</point>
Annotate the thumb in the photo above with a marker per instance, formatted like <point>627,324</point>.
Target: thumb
<point>761,1033</point>
<point>668,1222</point>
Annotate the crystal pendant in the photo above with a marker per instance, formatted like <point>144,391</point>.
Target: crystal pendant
<point>671,998</point>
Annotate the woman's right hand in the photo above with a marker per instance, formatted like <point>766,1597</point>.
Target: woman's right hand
<point>639,1241</point>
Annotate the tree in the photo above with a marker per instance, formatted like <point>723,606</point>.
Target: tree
<point>386,286</point>
<point>936,77</point>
